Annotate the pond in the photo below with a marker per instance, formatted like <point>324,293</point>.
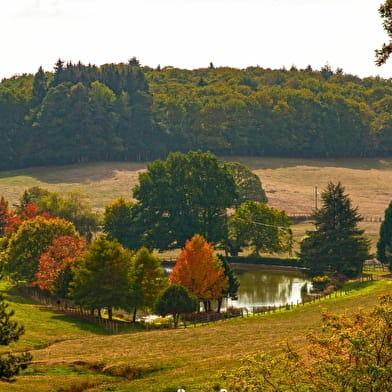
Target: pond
<point>259,287</point>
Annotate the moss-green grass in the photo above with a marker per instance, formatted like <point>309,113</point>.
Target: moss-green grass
<point>69,353</point>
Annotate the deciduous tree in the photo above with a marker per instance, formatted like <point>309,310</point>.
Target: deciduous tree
<point>263,228</point>
<point>175,300</point>
<point>118,222</point>
<point>186,194</point>
<point>199,271</point>
<point>102,277</point>
<point>54,264</point>
<point>385,11</point>
<point>28,243</point>
<point>248,184</point>
<point>147,278</point>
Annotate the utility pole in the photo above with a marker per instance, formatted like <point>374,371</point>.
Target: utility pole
<point>315,197</point>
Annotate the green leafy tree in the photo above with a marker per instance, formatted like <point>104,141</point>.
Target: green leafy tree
<point>102,277</point>
<point>175,300</point>
<point>353,353</point>
<point>260,227</point>
<point>10,331</point>
<point>72,206</point>
<point>148,280</point>
<point>28,243</point>
<point>5,217</point>
<point>248,183</point>
<point>337,246</point>
<point>384,244</point>
<point>385,11</point>
<point>186,194</point>
<point>40,87</point>
<point>118,222</point>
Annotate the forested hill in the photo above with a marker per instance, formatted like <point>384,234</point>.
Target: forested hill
<point>80,113</point>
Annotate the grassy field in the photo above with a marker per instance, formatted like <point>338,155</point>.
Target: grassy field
<point>289,184</point>
<point>73,356</point>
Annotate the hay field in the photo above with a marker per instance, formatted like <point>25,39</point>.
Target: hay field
<point>161,361</point>
<point>289,183</point>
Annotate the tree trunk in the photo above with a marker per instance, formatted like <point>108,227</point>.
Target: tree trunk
<point>220,300</point>
<point>176,317</point>
<point>110,313</point>
<point>99,313</point>
<point>134,315</point>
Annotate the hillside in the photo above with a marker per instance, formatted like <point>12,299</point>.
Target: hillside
<point>69,356</point>
<point>289,183</point>
<point>125,112</point>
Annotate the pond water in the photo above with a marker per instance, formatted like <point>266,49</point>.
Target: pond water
<point>268,288</point>
<point>259,287</point>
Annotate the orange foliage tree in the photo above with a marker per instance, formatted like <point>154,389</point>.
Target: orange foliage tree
<point>199,271</point>
<point>54,263</point>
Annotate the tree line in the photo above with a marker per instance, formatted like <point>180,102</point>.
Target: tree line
<point>80,113</point>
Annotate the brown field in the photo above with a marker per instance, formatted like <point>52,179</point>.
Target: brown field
<point>289,183</point>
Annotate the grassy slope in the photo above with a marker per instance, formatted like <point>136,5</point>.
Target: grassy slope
<point>190,356</point>
<point>289,183</point>
<point>68,353</point>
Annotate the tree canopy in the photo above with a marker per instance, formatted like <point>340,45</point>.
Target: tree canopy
<point>79,113</point>
<point>385,11</point>
<point>102,277</point>
<point>248,183</point>
<point>199,271</point>
<point>262,228</point>
<point>184,195</point>
<point>31,239</point>
<point>175,300</point>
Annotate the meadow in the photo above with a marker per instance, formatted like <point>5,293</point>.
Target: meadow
<point>289,183</point>
<point>71,356</point>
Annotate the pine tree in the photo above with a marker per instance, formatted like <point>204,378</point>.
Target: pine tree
<point>40,87</point>
<point>10,331</point>
<point>384,244</point>
<point>337,246</point>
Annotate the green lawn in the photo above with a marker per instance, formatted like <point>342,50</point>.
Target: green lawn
<point>68,353</point>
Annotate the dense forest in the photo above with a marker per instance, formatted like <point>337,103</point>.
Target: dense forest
<point>80,113</point>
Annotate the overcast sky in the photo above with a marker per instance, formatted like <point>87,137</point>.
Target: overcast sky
<point>192,33</point>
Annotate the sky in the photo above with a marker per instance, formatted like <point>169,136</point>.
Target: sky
<point>192,33</point>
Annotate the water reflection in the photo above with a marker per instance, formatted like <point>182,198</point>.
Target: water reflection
<point>269,288</point>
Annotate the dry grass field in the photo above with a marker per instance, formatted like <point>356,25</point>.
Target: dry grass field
<point>289,183</point>
<point>69,357</point>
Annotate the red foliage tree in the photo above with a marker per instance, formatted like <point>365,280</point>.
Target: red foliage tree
<point>63,252</point>
<point>199,271</point>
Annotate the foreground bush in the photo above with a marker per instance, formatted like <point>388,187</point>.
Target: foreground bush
<point>353,353</point>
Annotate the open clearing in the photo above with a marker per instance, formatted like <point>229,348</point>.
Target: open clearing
<point>289,183</point>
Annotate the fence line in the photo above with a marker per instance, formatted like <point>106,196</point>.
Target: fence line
<point>71,310</point>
